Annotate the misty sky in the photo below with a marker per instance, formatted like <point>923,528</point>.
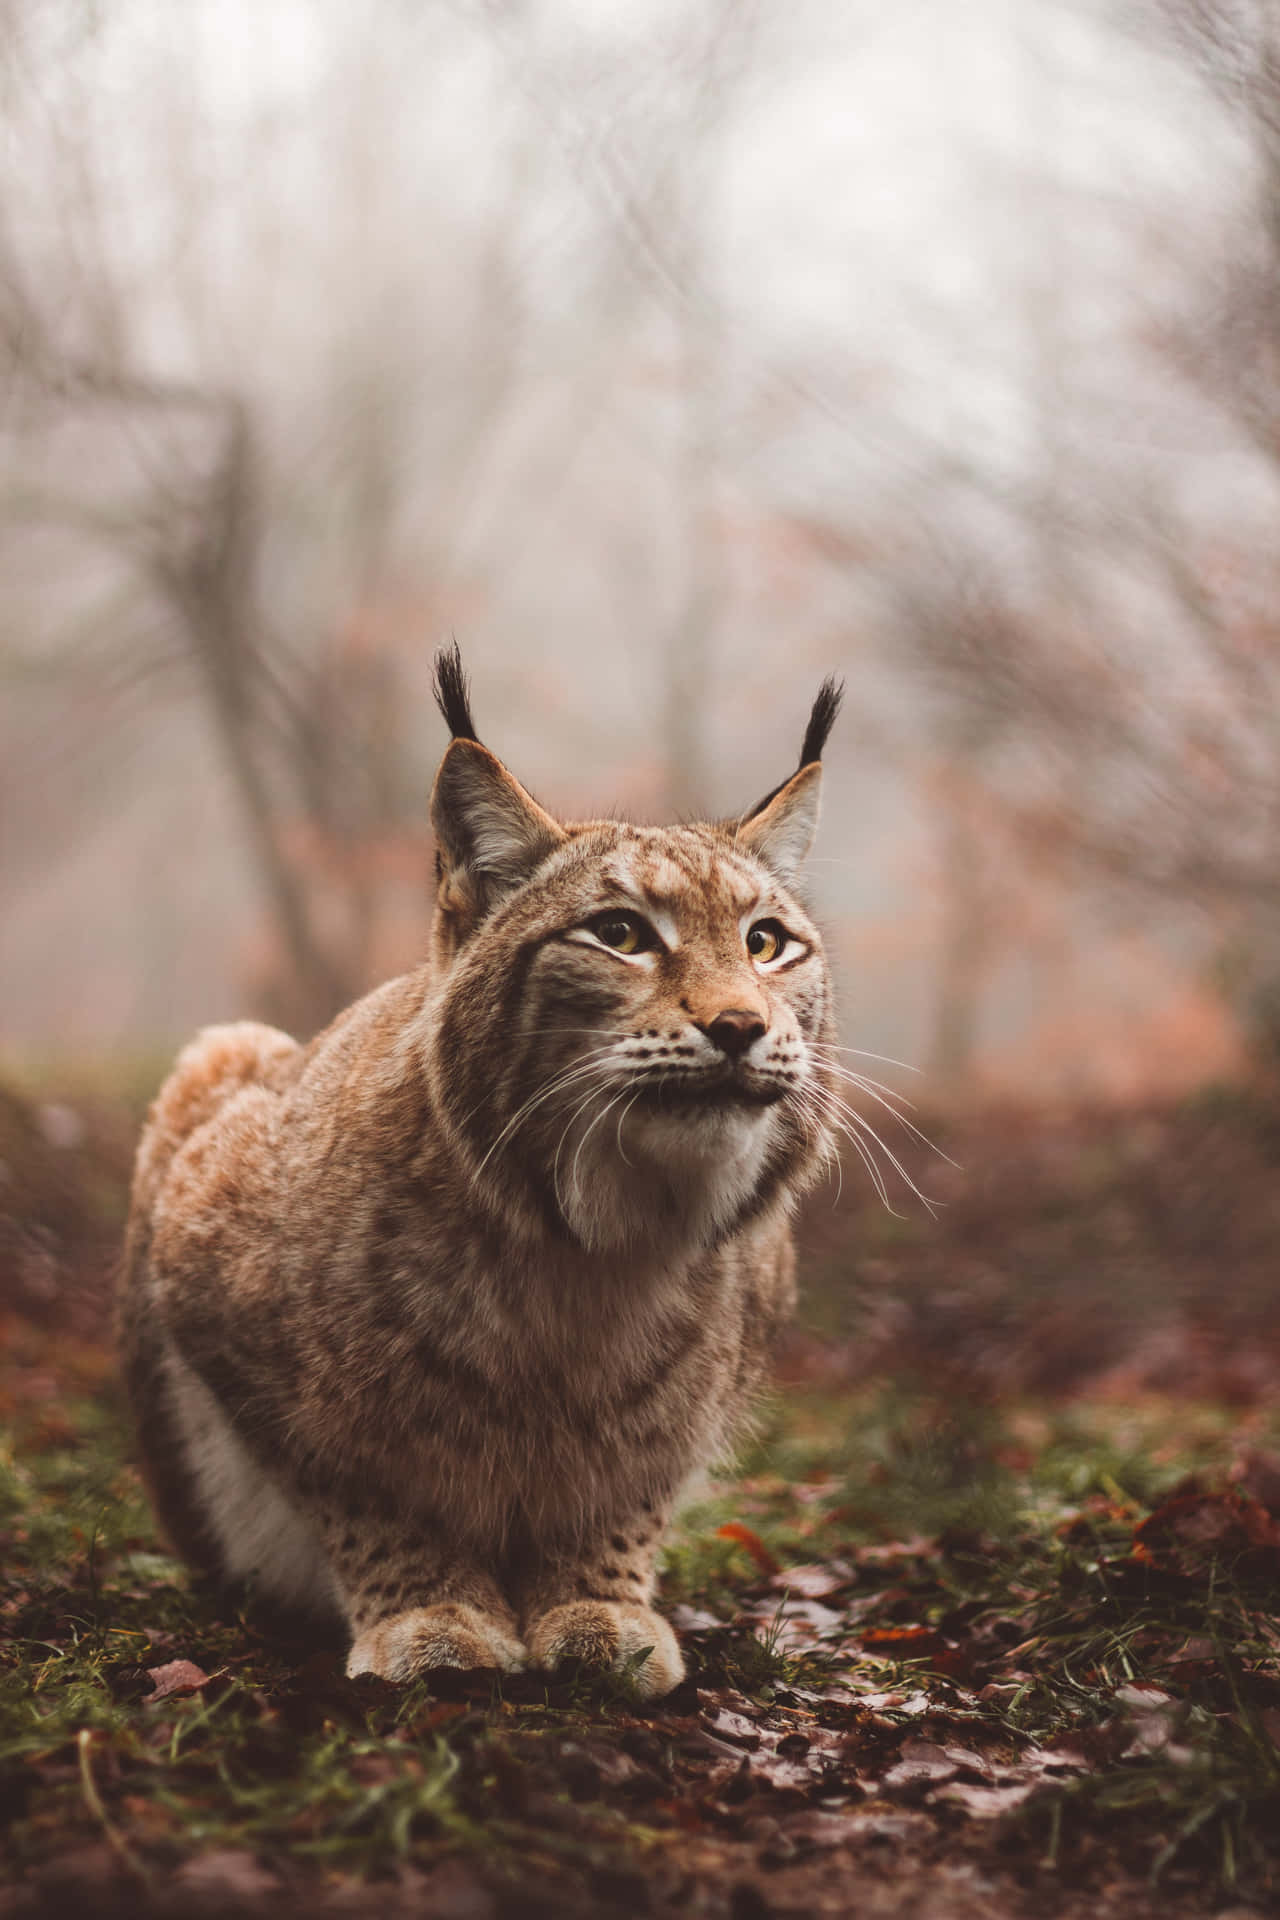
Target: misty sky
<point>878,269</point>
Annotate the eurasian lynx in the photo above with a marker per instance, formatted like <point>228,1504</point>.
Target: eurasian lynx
<point>427,1323</point>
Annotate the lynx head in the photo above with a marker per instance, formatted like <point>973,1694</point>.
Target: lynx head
<point>632,1022</point>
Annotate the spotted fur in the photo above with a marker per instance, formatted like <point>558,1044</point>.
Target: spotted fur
<point>426,1324</point>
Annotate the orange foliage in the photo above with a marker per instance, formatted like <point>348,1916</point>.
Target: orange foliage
<point>1126,1028</point>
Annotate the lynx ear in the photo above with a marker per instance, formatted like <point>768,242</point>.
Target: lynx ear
<point>781,831</point>
<point>491,833</point>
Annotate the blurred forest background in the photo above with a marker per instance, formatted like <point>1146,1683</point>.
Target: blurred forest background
<point>669,355</point>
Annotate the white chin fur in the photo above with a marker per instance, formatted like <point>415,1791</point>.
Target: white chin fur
<point>670,1136</point>
<point>677,1177</point>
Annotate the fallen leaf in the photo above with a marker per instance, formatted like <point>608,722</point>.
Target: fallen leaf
<point>785,1774</point>
<point>744,1537</point>
<point>1057,1760</point>
<point>921,1761</point>
<point>177,1677</point>
<point>450,1892</point>
<point>735,1727</point>
<point>1256,1472</point>
<point>791,1624</point>
<point>1225,1522</point>
<point>1142,1694</point>
<point>814,1581</point>
<point>229,1871</point>
<point>912,1642</point>
<point>820,1829</point>
<point>983,1802</point>
<point>909,1704</point>
<point>693,1619</point>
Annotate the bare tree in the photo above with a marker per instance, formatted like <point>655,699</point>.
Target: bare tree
<point>251,557</point>
<point>1100,646</point>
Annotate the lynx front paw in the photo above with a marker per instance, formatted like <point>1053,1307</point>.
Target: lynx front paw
<point>447,1635</point>
<point>609,1633</point>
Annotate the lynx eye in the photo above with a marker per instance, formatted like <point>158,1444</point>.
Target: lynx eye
<point>622,932</point>
<point>766,940</point>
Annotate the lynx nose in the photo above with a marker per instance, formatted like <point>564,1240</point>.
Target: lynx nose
<point>734,1030</point>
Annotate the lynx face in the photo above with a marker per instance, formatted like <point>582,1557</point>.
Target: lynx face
<point>631,1041</point>
<point>630,1037</point>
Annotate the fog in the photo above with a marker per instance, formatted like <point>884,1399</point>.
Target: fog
<point>669,357</point>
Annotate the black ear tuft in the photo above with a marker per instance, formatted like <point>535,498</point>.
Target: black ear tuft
<point>822,719</point>
<point>453,695</point>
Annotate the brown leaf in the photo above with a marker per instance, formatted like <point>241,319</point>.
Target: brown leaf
<point>792,1624</point>
<point>821,1829</point>
<point>693,1619</point>
<point>1142,1695</point>
<point>1057,1760</point>
<point>177,1677</point>
<point>734,1727</point>
<point>890,1552</point>
<point>877,1704</point>
<point>1227,1522</point>
<point>986,1803</point>
<point>816,1581</point>
<point>229,1872</point>
<point>966,1758</point>
<point>788,1773</point>
<point>715,1700</point>
<point>450,1892</point>
<point>1256,1472</point>
<point>921,1761</point>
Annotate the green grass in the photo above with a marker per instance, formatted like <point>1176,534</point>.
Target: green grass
<point>1029,1520</point>
<point>1005,1546</point>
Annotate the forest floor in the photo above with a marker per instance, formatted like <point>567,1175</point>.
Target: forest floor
<point>986,1623</point>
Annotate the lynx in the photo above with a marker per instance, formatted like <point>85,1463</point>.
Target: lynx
<point>427,1323</point>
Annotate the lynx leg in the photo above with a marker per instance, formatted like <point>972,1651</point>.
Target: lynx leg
<point>412,1607</point>
<point>597,1610</point>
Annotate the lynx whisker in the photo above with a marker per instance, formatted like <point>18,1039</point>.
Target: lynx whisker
<point>569,1124</point>
<point>621,1123</point>
<point>838,1125</point>
<point>583,1060</point>
<point>862,1079</point>
<point>567,1128</point>
<point>829,1046</point>
<point>850,1118</point>
<point>581,1068</point>
<point>601,1033</point>
<point>878,1094</point>
<point>604,1111</point>
<point>580,1108</point>
<point>833,1153</point>
<point>811,1113</point>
